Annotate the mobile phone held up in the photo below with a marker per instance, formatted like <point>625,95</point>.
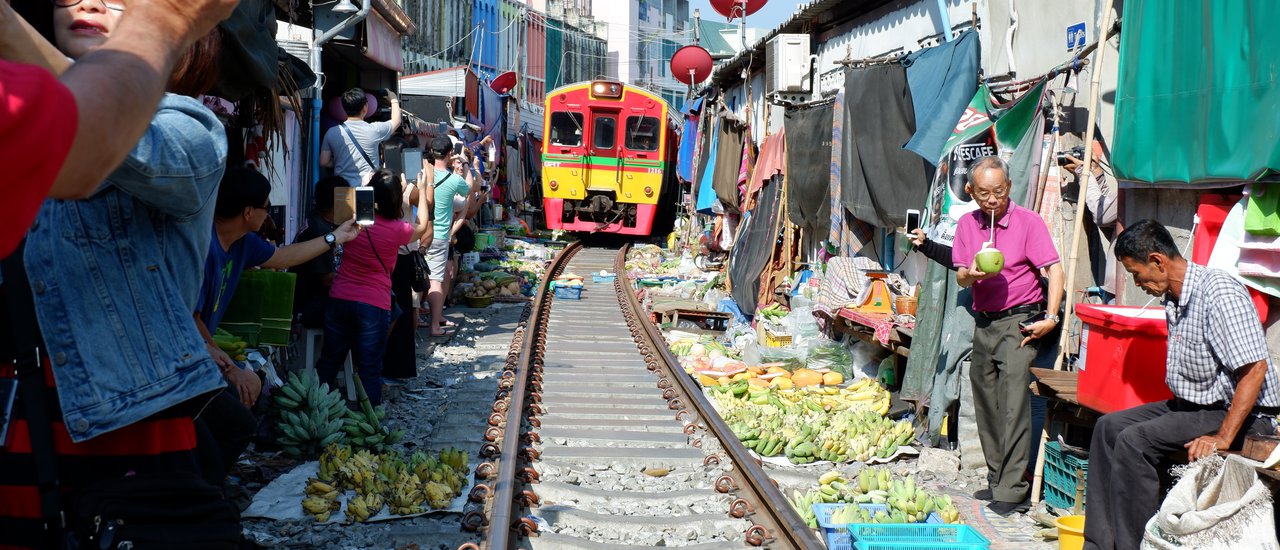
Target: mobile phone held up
<point>913,221</point>
<point>1025,326</point>
<point>364,206</point>
<point>412,164</point>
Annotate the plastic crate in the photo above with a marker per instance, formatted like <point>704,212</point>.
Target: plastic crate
<point>1117,344</point>
<point>917,536</point>
<point>772,339</point>
<point>568,293</point>
<point>598,278</point>
<point>836,534</point>
<point>1060,477</point>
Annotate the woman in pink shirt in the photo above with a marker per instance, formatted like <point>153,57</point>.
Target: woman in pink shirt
<point>359,313</point>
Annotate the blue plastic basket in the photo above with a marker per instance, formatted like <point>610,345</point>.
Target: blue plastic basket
<point>598,278</point>
<point>568,293</point>
<point>837,536</point>
<point>1060,477</point>
<point>916,536</point>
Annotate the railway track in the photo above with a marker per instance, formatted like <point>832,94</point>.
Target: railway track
<point>598,439</point>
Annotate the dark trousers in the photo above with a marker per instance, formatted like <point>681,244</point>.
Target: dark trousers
<point>1001,376</point>
<point>1127,457</point>
<point>361,330</point>
<point>223,432</point>
<point>401,360</point>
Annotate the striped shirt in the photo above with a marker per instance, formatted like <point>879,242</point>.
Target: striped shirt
<point>1213,331</point>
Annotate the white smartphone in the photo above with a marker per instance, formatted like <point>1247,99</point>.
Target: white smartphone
<point>913,221</point>
<point>364,205</point>
<point>412,164</point>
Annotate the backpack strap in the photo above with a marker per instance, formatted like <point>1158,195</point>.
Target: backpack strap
<point>364,155</point>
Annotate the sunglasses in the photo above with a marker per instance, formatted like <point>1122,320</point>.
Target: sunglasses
<point>116,5</point>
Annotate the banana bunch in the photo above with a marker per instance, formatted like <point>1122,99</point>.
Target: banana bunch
<point>362,507</point>
<point>803,504</point>
<point>947,509</point>
<point>364,428</point>
<point>321,500</point>
<point>456,459</point>
<point>905,502</point>
<point>333,457</point>
<point>310,415</point>
<point>405,496</point>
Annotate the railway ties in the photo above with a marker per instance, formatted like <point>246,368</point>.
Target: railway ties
<point>612,454</point>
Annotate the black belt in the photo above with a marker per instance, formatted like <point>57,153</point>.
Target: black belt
<point>1258,410</point>
<point>1029,308</point>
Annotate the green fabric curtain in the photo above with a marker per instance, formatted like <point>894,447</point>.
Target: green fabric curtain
<point>1198,95</point>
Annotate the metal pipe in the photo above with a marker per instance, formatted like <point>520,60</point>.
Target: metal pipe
<point>317,104</point>
<point>945,20</point>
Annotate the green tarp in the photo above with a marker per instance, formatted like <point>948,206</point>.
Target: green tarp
<point>1198,92</point>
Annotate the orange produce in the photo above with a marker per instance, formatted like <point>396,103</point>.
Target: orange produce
<point>806,377</point>
<point>782,383</point>
<point>760,383</point>
<point>832,379</point>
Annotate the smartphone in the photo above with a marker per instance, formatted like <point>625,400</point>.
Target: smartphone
<point>1025,326</point>
<point>364,205</point>
<point>412,159</point>
<point>457,148</point>
<point>913,220</point>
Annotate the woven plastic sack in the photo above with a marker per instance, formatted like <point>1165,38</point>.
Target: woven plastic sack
<point>1215,505</point>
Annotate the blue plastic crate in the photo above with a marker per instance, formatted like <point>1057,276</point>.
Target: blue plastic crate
<point>1060,477</point>
<point>916,536</point>
<point>836,533</point>
<point>598,278</point>
<point>568,293</point>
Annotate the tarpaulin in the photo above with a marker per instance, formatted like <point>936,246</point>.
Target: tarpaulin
<point>1198,92</point>
<point>881,180</point>
<point>707,193</point>
<point>809,168</point>
<point>728,161</point>
<point>1019,130</point>
<point>756,242</point>
<point>942,79</point>
<point>689,139</point>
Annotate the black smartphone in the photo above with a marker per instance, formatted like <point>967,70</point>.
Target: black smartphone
<point>412,159</point>
<point>1025,326</point>
<point>913,220</point>
<point>364,205</point>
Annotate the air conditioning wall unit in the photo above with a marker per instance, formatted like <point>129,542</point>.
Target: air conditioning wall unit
<point>787,64</point>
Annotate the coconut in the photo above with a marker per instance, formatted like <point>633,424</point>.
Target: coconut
<point>990,260</point>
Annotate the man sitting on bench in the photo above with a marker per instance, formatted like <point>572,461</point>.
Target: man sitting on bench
<point>1219,371</point>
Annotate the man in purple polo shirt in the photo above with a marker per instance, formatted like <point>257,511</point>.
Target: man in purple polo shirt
<point>1002,301</point>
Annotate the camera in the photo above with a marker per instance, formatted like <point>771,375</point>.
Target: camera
<point>1076,152</point>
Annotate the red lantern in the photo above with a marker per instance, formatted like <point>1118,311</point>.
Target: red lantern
<point>691,64</point>
<point>734,8</point>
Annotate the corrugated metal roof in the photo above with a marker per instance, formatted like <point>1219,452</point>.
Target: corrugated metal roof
<point>710,38</point>
<point>731,71</point>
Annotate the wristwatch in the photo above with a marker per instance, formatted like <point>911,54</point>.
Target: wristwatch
<point>330,240</point>
<point>1053,317</point>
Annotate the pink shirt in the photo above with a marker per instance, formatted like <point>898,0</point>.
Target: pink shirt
<point>1023,238</point>
<point>361,277</point>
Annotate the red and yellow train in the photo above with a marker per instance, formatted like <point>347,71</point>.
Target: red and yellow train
<point>608,160</point>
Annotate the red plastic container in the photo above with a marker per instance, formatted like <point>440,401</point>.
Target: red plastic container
<point>1122,357</point>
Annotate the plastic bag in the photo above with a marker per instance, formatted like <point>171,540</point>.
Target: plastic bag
<point>824,353</point>
<point>787,357</point>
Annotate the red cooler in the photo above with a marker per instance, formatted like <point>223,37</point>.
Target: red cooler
<point>1122,357</point>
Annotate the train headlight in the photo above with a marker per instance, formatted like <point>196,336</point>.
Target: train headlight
<point>648,191</point>
<point>606,89</point>
<point>554,185</point>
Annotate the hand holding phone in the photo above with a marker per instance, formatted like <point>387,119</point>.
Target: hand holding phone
<point>913,220</point>
<point>364,205</point>
<point>412,163</point>
<point>1025,326</point>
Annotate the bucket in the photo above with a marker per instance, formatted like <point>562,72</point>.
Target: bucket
<point>907,305</point>
<point>1070,532</point>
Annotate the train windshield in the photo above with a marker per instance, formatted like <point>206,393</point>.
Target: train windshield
<point>642,133</point>
<point>605,133</point>
<point>566,129</point>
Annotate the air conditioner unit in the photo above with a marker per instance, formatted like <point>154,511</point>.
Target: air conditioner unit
<point>787,64</point>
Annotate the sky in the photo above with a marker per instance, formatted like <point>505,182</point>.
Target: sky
<point>770,16</point>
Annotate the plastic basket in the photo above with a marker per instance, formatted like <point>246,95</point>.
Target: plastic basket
<point>835,533</point>
<point>1060,477</point>
<point>916,536</point>
<point>598,278</point>
<point>568,293</point>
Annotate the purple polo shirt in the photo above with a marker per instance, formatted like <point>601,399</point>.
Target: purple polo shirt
<point>1023,238</point>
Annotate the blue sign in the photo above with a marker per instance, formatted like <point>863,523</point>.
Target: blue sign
<point>1075,36</point>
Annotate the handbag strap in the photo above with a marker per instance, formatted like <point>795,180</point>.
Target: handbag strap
<point>30,372</point>
<point>374,248</point>
<point>356,144</point>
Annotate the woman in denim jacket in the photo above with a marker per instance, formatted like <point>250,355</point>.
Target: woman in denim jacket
<point>113,278</point>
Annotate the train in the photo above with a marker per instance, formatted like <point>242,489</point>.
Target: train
<point>608,160</point>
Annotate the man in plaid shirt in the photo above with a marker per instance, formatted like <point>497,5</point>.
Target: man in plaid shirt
<point>1218,369</point>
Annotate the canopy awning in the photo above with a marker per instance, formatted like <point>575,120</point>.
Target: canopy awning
<point>450,82</point>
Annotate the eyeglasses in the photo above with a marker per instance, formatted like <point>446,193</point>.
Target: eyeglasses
<point>267,207</point>
<point>997,195</point>
<point>116,5</point>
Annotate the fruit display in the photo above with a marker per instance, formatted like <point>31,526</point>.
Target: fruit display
<point>364,427</point>
<point>425,481</point>
<point>812,424</point>
<point>234,346</point>
<point>569,280</point>
<point>492,283</point>
<point>311,415</point>
<point>904,501</point>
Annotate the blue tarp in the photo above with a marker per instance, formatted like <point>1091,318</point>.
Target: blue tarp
<point>706,192</point>
<point>942,80</point>
<point>689,139</point>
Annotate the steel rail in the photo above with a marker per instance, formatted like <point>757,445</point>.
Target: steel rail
<point>502,521</point>
<point>782,526</point>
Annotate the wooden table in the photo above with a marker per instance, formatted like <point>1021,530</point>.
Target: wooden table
<point>843,323</point>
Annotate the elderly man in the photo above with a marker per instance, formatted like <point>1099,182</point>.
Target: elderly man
<point>1218,368</point>
<point>1011,310</point>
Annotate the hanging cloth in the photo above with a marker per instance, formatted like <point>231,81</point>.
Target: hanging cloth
<point>881,180</point>
<point>808,154</point>
<point>706,192</point>
<point>728,161</point>
<point>942,80</point>
<point>756,242</point>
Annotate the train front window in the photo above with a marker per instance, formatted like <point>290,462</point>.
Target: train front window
<point>566,129</point>
<point>605,132</point>
<point>642,133</point>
